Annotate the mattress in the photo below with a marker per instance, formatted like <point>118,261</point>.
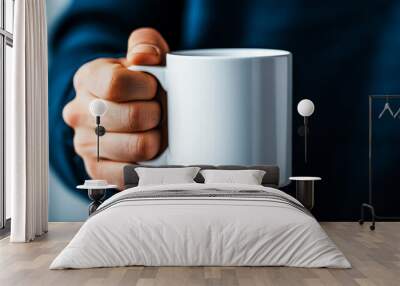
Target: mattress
<point>201,225</point>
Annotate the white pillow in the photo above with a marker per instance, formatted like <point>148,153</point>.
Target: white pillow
<point>162,176</point>
<point>248,177</point>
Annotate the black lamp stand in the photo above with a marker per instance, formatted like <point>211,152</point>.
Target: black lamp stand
<point>303,132</point>
<point>100,131</point>
<point>305,137</point>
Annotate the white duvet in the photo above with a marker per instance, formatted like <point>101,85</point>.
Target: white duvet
<point>200,231</point>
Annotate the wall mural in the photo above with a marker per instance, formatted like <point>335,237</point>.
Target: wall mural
<point>227,94</point>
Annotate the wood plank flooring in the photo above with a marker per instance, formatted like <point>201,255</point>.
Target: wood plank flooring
<point>375,257</point>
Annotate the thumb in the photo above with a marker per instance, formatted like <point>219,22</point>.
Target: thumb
<point>146,46</point>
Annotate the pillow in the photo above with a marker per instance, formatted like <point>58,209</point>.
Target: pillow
<point>248,177</point>
<point>162,176</point>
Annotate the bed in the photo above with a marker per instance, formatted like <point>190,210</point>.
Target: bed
<point>198,224</point>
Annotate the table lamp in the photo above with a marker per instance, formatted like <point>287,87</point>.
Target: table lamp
<point>305,108</point>
<point>98,108</point>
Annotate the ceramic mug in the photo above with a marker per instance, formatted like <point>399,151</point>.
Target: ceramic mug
<point>227,106</point>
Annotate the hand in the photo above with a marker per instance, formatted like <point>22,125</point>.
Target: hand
<point>133,116</point>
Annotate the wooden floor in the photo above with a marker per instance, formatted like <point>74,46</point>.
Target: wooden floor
<point>375,257</point>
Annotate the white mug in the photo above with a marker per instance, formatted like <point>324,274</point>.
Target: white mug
<point>228,107</point>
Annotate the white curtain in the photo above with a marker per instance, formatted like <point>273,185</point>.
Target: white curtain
<point>27,125</point>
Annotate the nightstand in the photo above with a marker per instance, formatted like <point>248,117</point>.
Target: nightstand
<point>305,190</point>
<point>97,190</point>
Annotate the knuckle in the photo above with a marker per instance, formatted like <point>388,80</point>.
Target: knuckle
<point>133,116</point>
<point>146,30</point>
<point>153,145</point>
<point>85,71</point>
<point>81,73</point>
<point>142,117</point>
<point>116,83</point>
<point>135,147</point>
<point>152,85</point>
<point>154,116</point>
<point>142,31</point>
<point>146,146</point>
<point>70,115</point>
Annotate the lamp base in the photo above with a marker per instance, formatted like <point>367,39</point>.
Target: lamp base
<point>97,196</point>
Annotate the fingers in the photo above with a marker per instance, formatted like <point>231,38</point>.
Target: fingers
<point>111,80</point>
<point>106,170</point>
<point>146,46</point>
<point>132,115</point>
<point>122,147</point>
<point>121,117</point>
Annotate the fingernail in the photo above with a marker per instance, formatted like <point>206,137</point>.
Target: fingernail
<point>145,49</point>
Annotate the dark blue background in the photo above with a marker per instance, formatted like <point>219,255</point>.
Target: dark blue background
<point>343,51</point>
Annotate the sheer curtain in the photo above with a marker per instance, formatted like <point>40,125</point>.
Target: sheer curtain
<point>27,126</point>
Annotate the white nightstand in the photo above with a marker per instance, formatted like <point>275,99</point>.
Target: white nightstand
<point>305,190</point>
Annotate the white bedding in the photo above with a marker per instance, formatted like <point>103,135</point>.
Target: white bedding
<point>200,231</point>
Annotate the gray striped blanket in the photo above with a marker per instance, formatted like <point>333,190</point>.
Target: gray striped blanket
<point>205,194</point>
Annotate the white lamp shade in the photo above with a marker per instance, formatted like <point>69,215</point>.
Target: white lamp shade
<point>98,107</point>
<point>305,107</point>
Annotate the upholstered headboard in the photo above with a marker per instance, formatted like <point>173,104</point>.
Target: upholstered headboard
<point>271,177</point>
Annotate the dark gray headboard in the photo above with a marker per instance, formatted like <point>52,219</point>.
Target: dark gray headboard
<point>271,177</point>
